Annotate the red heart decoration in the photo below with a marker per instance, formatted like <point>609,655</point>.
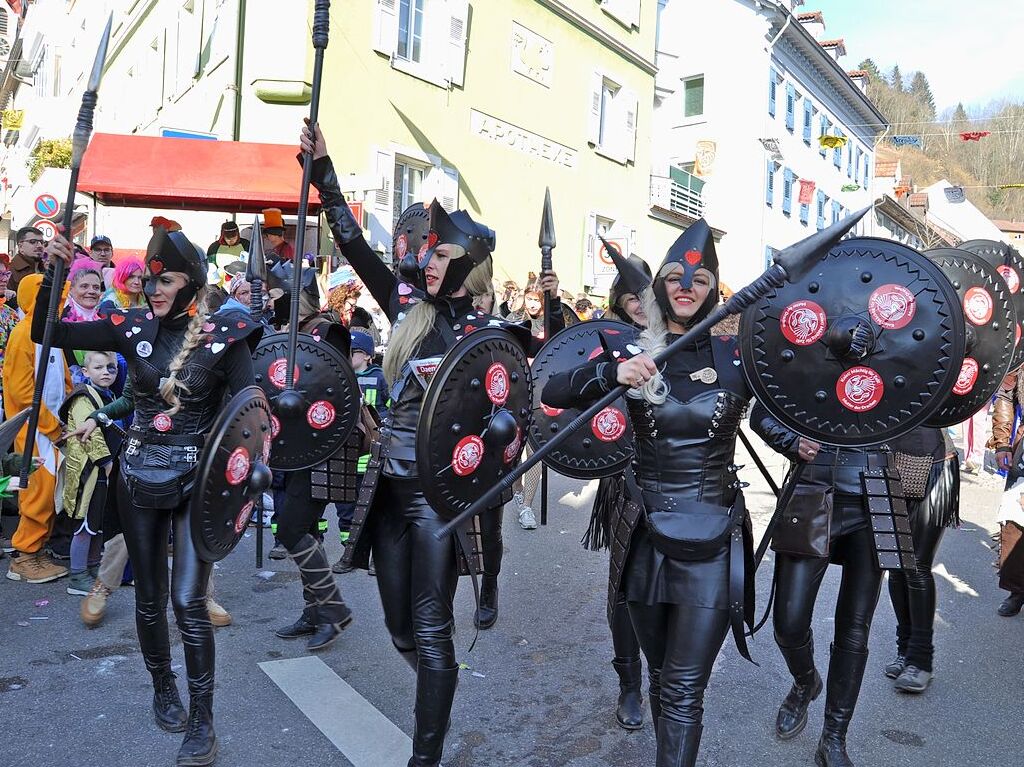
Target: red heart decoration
<point>240,325</point>
<point>117,319</point>
<point>693,257</point>
<point>156,265</point>
<point>432,239</point>
<point>470,328</point>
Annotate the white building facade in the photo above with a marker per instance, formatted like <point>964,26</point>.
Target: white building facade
<point>745,90</point>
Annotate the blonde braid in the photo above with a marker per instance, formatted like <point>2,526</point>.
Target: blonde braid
<point>193,337</point>
<point>653,340</point>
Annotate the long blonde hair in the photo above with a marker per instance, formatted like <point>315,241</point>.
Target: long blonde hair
<point>406,336</point>
<point>653,340</point>
<point>480,281</point>
<point>193,337</point>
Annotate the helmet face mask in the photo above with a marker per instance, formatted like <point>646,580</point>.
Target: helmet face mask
<point>693,250</point>
<point>174,252</point>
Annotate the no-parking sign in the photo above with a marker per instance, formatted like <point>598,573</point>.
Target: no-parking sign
<point>46,206</point>
<point>48,228</point>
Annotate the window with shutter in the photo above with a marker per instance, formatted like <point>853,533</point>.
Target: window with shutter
<point>867,172</point>
<point>410,30</point>
<point>630,104</point>
<point>835,211</point>
<point>772,85</point>
<point>849,160</point>
<point>808,119</point>
<point>769,183</point>
<point>457,31</point>
<point>787,192</point>
<point>790,108</point>
<point>385,22</point>
<point>805,213</point>
<point>821,210</point>
<point>837,153</point>
<point>857,165</point>
<point>382,200</point>
<point>693,97</point>
<point>824,132</point>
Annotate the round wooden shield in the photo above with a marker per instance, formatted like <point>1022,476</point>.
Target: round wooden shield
<point>231,475</point>
<point>1010,264</point>
<point>862,349</point>
<point>474,419</point>
<point>311,422</point>
<point>589,452</point>
<point>990,322</point>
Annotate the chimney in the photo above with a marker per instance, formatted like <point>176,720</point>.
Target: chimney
<point>860,79</point>
<point>834,48</point>
<point>813,22</point>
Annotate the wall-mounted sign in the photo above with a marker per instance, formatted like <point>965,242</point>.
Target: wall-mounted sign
<point>521,140</point>
<point>533,56</point>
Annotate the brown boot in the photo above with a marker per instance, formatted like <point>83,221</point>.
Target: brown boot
<point>35,568</point>
<point>219,617</point>
<point>94,606</point>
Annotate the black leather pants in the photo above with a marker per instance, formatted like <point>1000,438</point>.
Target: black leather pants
<point>680,643</point>
<point>490,540</point>
<point>624,641</point>
<point>913,592</point>
<point>323,602</point>
<point>146,535</point>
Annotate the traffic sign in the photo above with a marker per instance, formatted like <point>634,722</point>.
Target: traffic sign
<point>48,228</point>
<point>47,206</point>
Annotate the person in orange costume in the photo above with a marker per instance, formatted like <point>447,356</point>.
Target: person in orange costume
<point>35,502</point>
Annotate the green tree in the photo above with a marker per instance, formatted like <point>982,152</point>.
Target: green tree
<point>896,79</point>
<point>922,93</point>
<point>49,153</point>
<point>869,66</point>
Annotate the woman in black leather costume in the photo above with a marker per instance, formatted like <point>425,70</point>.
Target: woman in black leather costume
<point>797,580</point>
<point>181,366</point>
<point>431,310</point>
<point>685,419</point>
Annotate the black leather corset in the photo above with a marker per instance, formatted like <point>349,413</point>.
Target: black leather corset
<point>199,405</point>
<point>686,448</point>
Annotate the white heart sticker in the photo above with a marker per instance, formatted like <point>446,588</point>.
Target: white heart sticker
<point>633,349</point>
<point>217,348</point>
<point>737,363</point>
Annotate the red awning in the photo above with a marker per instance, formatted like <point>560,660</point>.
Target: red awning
<point>187,174</point>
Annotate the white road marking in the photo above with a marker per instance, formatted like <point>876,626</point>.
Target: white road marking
<point>363,734</point>
<point>582,497</point>
<point>961,586</point>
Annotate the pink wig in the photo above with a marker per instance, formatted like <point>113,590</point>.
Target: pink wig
<point>124,270</point>
<point>80,265</point>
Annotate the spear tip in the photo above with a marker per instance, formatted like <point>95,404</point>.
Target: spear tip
<point>101,57</point>
<point>547,223</point>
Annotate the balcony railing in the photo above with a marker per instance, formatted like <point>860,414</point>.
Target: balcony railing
<point>680,193</point>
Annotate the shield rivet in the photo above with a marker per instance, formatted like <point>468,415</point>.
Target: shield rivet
<point>308,366</point>
<point>330,391</point>
<point>474,384</point>
<point>246,433</point>
<point>820,396</point>
<point>587,442</point>
<point>515,377</point>
<point>813,287</point>
<point>919,335</point>
<point>866,277</point>
<point>899,382</point>
<point>787,355</point>
<point>456,428</point>
<point>553,427</point>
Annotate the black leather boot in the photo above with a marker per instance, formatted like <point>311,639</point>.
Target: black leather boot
<point>629,712</point>
<point>200,745</point>
<point>654,696</point>
<point>678,743</point>
<point>845,673</point>
<point>327,634</point>
<point>792,717</point>
<point>486,614</point>
<point>435,691</point>
<point>305,626</point>
<point>167,707</point>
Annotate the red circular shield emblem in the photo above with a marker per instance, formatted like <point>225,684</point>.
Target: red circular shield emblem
<point>609,424</point>
<point>978,306</point>
<point>467,455</point>
<point>162,422</point>
<point>243,517</point>
<point>402,245</point>
<point>1011,277</point>
<point>497,383</point>
<point>551,412</point>
<point>803,322</point>
<point>892,307</point>
<point>278,372</point>
<point>238,466</point>
<point>320,414</point>
<point>275,426</point>
<point>514,446</point>
<point>859,389</point>
<point>967,378</point>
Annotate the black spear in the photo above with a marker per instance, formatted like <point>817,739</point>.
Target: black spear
<point>79,143</point>
<point>790,265</point>
<point>546,243</point>
<point>290,401</point>
<point>256,272</point>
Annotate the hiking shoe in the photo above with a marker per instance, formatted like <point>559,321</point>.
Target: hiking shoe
<point>80,584</point>
<point>914,680</point>
<point>527,520</point>
<point>94,606</point>
<point>218,615</point>
<point>895,667</point>
<point>279,551</point>
<point>35,568</point>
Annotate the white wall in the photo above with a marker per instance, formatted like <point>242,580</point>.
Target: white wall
<point>961,218</point>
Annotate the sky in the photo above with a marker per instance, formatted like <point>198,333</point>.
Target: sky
<point>970,51</point>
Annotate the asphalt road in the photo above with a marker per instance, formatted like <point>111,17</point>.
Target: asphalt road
<point>538,690</point>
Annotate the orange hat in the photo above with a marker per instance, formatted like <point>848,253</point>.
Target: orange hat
<point>272,219</point>
<point>165,223</point>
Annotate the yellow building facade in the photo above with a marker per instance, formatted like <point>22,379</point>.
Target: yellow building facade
<point>483,104</point>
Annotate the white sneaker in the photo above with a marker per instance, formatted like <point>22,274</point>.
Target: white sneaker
<point>517,499</point>
<point>527,520</point>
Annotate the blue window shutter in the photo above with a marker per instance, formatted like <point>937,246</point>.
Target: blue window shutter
<point>769,252</point>
<point>805,212</point>
<point>867,171</point>
<point>790,108</point>
<point>856,166</point>
<point>835,211</point>
<point>808,119</point>
<point>821,210</point>
<point>772,84</point>
<point>824,132</point>
<point>787,192</point>
<point>769,184</point>
<point>837,154</point>
<point>849,160</point>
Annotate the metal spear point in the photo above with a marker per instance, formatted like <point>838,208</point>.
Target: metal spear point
<point>546,241</point>
<point>791,264</point>
<point>79,143</point>
<point>256,271</point>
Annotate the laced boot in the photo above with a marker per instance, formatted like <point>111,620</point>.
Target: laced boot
<point>200,745</point>
<point>678,743</point>
<point>845,673</point>
<point>792,717</point>
<point>629,712</point>
<point>167,707</point>
<point>487,611</point>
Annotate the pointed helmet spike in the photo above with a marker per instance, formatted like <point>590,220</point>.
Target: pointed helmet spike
<point>256,269</point>
<point>547,223</point>
<point>101,57</point>
<point>799,258</point>
<point>631,278</point>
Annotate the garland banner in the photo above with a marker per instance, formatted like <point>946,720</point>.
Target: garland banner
<point>915,141</point>
<point>13,119</point>
<point>771,145</point>
<point>974,135</point>
<point>850,187</point>
<point>806,191</point>
<point>704,159</point>
<point>832,142</point>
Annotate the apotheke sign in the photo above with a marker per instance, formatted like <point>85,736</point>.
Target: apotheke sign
<point>521,140</point>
